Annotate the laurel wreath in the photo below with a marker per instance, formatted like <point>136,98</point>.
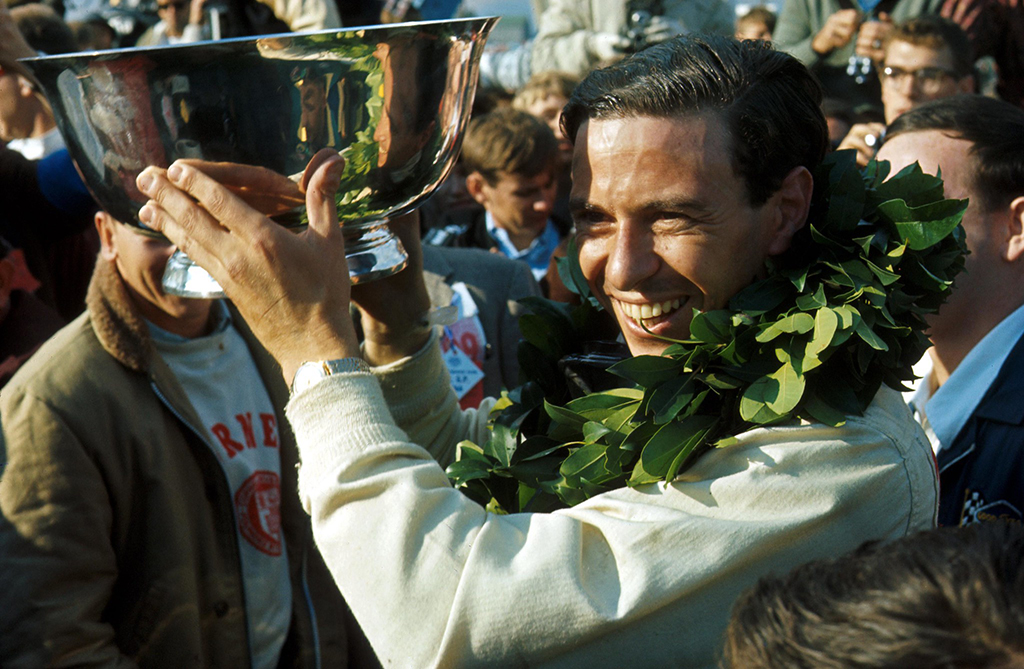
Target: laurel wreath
<point>838,315</point>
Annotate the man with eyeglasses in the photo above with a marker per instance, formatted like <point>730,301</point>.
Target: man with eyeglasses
<point>927,58</point>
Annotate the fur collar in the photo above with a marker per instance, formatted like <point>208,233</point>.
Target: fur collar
<point>119,326</point>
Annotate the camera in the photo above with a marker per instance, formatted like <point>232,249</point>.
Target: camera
<point>639,14</point>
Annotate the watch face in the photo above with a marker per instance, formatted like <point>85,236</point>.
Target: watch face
<point>310,373</point>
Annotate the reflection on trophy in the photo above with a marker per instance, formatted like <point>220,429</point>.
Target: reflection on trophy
<point>392,100</point>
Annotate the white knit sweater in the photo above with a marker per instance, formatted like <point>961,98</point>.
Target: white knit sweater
<point>636,577</point>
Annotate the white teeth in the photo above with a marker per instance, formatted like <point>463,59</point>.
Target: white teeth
<point>639,312</point>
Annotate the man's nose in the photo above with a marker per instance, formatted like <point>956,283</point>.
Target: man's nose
<point>631,258</point>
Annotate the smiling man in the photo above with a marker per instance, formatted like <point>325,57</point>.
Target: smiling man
<point>691,170</point>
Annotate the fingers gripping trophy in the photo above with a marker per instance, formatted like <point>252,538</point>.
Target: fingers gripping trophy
<point>391,101</point>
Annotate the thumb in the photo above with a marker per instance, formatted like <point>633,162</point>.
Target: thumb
<point>321,180</point>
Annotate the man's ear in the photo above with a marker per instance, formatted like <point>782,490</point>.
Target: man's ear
<point>105,227</point>
<point>789,207</point>
<point>475,183</point>
<point>26,88</point>
<point>1015,235</point>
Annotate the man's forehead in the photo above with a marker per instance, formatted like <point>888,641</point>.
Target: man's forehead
<point>908,54</point>
<point>934,150</point>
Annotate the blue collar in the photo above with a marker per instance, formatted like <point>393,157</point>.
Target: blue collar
<point>957,399</point>
<point>537,255</point>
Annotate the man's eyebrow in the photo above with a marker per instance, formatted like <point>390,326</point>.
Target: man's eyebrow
<point>681,204</point>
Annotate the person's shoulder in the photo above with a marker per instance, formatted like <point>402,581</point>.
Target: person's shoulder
<point>70,368</point>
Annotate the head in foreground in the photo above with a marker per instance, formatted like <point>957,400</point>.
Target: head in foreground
<point>952,598</point>
<point>692,166</point>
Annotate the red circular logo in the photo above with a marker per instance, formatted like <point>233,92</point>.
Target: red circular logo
<point>258,507</point>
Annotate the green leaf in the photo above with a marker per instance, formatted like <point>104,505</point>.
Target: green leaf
<point>797,323</point>
<point>703,425</point>
<point>924,226</point>
<point>754,401</point>
<point>669,398</point>
<point>712,327</point>
<point>661,451</point>
<point>790,389</point>
<point>461,472</point>
<point>912,184</point>
<point>822,412</point>
<point>865,332</point>
<point>583,458</point>
<point>885,276</point>
<point>593,431</point>
<point>761,296</point>
<point>647,370</point>
<point>826,322</point>
<point>564,416</point>
<point>569,270</point>
<point>501,444</point>
<point>812,301</point>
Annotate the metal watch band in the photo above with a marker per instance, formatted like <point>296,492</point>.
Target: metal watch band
<point>310,373</point>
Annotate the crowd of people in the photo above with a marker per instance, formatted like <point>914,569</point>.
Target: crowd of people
<point>267,480</point>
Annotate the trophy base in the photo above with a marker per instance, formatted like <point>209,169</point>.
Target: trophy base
<point>372,252</point>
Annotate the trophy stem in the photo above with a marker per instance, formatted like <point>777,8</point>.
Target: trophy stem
<point>184,278</point>
<point>373,252</point>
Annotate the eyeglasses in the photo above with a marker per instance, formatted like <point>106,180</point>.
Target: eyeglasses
<point>928,79</point>
<point>178,5</point>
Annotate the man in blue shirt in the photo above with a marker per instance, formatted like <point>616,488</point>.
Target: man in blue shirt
<point>972,402</point>
<point>511,164</point>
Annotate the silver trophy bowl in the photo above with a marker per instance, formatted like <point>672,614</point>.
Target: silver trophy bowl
<point>392,100</point>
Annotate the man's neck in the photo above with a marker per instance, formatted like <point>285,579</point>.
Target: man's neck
<point>521,239</point>
<point>951,346</point>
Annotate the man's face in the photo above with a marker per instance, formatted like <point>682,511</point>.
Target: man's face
<point>522,205</point>
<point>919,74</point>
<point>175,14</point>
<point>935,150</point>
<point>141,261</point>
<point>754,30</point>
<point>549,110</point>
<point>15,120</point>
<point>663,223</point>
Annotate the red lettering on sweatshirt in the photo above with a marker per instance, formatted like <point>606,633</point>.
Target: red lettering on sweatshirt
<point>245,420</point>
<point>269,421</point>
<point>223,434</point>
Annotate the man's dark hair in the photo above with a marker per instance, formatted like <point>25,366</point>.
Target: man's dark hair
<point>935,32</point>
<point>43,29</point>
<point>995,130</point>
<point>951,598</point>
<point>768,101</point>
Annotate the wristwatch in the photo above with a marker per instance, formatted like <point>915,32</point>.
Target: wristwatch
<point>311,373</point>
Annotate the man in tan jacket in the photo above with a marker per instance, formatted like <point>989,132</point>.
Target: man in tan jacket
<point>148,505</point>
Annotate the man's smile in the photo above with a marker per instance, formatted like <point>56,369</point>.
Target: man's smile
<point>646,311</point>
